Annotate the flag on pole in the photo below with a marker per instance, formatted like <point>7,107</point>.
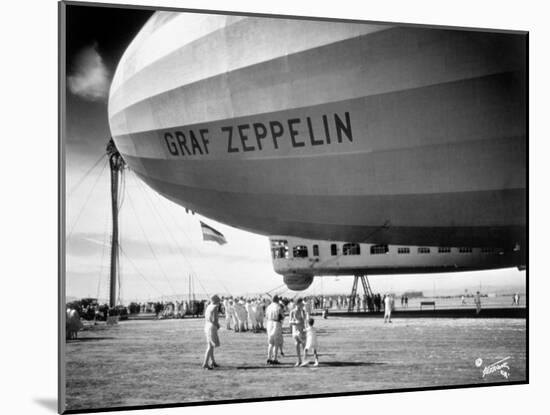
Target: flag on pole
<point>211,234</point>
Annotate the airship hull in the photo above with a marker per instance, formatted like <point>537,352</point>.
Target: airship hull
<point>330,131</point>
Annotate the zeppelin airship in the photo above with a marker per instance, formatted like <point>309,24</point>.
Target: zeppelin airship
<point>299,260</point>
<point>358,132</point>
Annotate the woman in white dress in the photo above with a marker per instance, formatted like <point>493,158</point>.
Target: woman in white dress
<point>274,316</point>
<point>211,326</point>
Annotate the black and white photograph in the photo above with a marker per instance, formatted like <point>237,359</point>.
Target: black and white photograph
<point>264,207</point>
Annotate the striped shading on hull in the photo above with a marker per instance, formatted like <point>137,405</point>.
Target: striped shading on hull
<point>347,218</point>
<point>327,130</point>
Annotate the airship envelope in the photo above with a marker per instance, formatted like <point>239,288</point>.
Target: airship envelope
<point>329,130</point>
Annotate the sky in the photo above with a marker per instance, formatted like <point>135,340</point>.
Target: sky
<point>162,244</point>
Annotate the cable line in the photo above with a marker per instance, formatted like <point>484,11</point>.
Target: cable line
<point>118,262</point>
<point>149,245</point>
<point>192,245</point>
<point>85,176</point>
<point>275,289</point>
<point>122,191</point>
<point>138,271</point>
<point>103,262</point>
<point>86,202</point>
<point>161,221</point>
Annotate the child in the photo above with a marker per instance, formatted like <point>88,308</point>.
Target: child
<point>311,343</point>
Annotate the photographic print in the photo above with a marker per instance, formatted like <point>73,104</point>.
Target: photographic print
<point>259,207</point>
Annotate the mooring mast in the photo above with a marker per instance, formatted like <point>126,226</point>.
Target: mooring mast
<point>366,289</point>
<point>117,164</point>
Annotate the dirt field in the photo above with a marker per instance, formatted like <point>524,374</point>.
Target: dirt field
<point>158,362</point>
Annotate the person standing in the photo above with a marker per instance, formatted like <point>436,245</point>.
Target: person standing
<point>240,314</point>
<point>227,313</point>
<point>274,330</point>
<point>211,326</point>
<point>377,302</point>
<point>233,314</point>
<point>388,303</point>
<point>370,304</point>
<point>260,314</point>
<point>250,312</point>
<point>477,300</point>
<point>297,322</point>
<point>311,343</point>
<point>308,308</point>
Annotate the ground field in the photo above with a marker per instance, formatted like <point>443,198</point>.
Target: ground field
<point>454,302</point>
<point>159,362</point>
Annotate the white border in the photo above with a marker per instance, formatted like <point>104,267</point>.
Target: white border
<point>29,208</point>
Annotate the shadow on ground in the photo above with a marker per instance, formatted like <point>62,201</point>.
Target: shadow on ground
<point>48,403</point>
<point>291,365</point>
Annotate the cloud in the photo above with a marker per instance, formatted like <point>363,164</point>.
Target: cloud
<point>90,78</point>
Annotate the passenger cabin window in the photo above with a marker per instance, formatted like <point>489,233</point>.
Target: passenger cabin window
<point>315,250</point>
<point>300,251</point>
<point>351,249</point>
<point>444,250</point>
<point>423,250</point>
<point>465,250</point>
<point>403,251</point>
<point>488,250</point>
<point>279,249</point>
<point>379,249</point>
<point>334,249</point>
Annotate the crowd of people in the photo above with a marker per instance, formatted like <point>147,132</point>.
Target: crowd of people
<point>262,314</point>
<point>91,310</point>
<point>245,312</point>
<point>255,314</point>
<point>243,315</point>
<point>366,303</point>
